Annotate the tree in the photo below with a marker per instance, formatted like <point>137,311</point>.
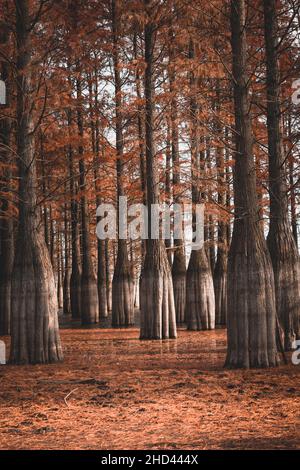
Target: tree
<point>6,220</point>
<point>251,290</point>
<point>281,243</point>
<point>200,296</point>
<point>158,317</point>
<point>122,286</point>
<point>35,334</point>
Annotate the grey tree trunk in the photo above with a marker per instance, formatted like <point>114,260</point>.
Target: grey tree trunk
<point>179,261</point>
<point>251,322</point>
<point>122,285</point>
<point>89,290</point>
<point>281,243</point>
<point>200,296</point>
<point>67,270</point>
<point>6,221</point>
<point>75,277</point>
<point>35,333</point>
<point>158,316</point>
<point>220,271</point>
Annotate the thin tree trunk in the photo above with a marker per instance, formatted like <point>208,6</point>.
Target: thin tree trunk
<point>75,277</point>
<point>89,289</point>
<point>67,272</point>
<point>101,260</point>
<point>220,271</point>
<point>158,317</point>
<point>251,292</point>
<point>179,261</point>
<point>6,221</point>
<point>281,243</point>
<point>122,286</point>
<point>200,296</point>
<point>35,333</point>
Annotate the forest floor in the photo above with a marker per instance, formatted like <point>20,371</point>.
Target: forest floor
<point>116,392</point>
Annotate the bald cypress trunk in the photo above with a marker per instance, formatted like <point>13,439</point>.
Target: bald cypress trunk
<point>67,270</point>
<point>35,334</point>
<point>6,221</point>
<point>220,271</point>
<point>122,285</point>
<point>281,243</point>
<point>251,289</point>
<point>89,289</point>
<point>179,261</point>
<point>158,317</point>
<point>200,296</point>
<point>75,276</point>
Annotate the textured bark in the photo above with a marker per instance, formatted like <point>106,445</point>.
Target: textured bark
<point>281,243</point>
<point>179,262</point>
<point>168,189</point>
<point>220,271</point>
<point>35,334</point>
<point>6,222</point>
<point>141,133</point>
<point>200,297</point>
<point>101,277</point>
<point>108,276</point>
<point>75,276</point>
<point>67,270</point>
<point>122,290</point>
<point>122,285</point>
<point>251,294</point>
<point>89,290</point>
<point>158,317</point>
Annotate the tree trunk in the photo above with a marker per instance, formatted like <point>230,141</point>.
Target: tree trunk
<point>220,271</point>
<point>281,243</point>
<point>35,333</point>
<point>179,262</point>
<point>108,276</point>
<point>89,289</point>
<point>200,296</point>
<point>67,272</point>
<point>6,221</point>
<point>251,292</point>
<point>122,285</point>
<point>158,317</point>
<point>75,277</point>
<point>101,261</point>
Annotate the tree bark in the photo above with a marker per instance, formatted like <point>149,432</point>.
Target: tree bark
<point>251,292</point>
<point>67,272</point>
<point>89,289</point>
<point>281,243</point>
<point>158,317</point>
<point>35,333</point>
<point>75,277</point>
<point>200,296</point>
<point>122,285</point>
<point>6,221</point>
<point>220,271</point>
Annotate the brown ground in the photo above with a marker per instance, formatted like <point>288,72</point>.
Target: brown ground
<point>116,392</point>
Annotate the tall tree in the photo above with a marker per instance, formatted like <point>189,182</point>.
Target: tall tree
<point>158,317</point>
<point>281,243</point>
<point>35,334</point>
<point>179,260</point>
<point>200,296</point>
<point>122,285</point>
<point>251,289</point>
<point>6,221</point>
